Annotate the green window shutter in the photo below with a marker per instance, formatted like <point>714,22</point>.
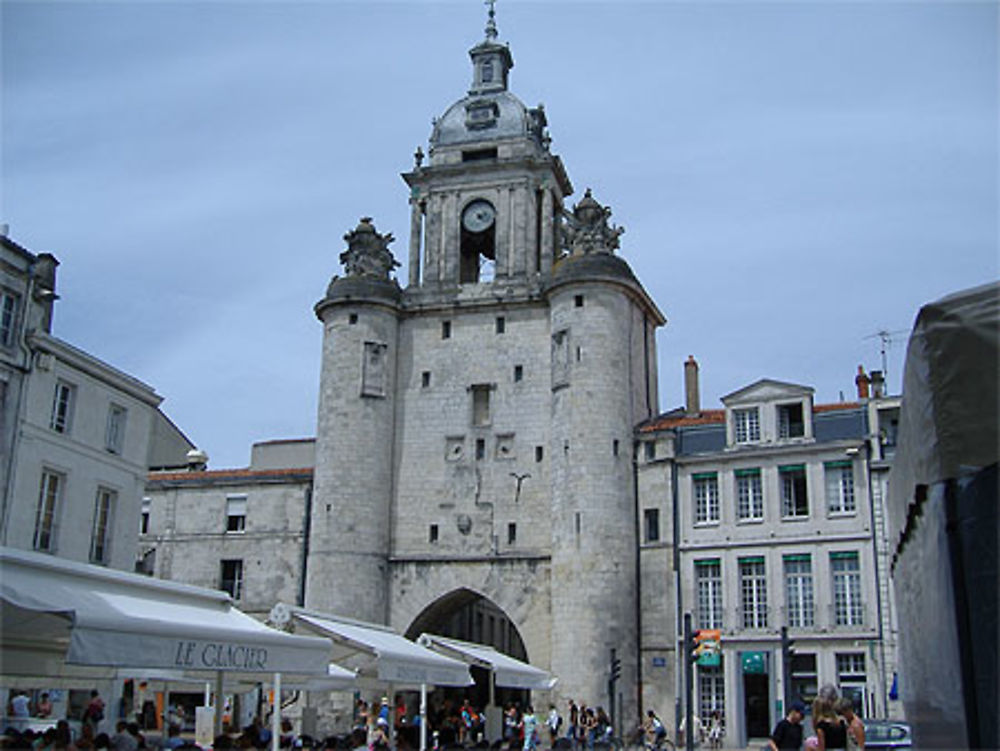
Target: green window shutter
<point>707,562</point>
<point>853,555</point>
<point>796,557</point>
<point>747,472</point>
<point>753,559</point>
<point>838,465</point>
<point>705,475</point>
<point>792,468</point>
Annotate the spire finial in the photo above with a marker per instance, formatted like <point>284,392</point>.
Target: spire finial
<point>491,24</point>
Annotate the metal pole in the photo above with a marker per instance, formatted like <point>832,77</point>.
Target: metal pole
<point>688,686</point>
<point>220,702</point>
<point>276,714</point>
<point>423,717</point>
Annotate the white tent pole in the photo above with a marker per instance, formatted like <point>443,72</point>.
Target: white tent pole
<point>423,717</point>
<point>208,695</point>
<point>276,714</point>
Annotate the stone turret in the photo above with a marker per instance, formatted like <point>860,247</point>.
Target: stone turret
<point>349,529</point>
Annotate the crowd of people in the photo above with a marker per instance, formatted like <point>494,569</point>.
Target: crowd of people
<point>835,725</point>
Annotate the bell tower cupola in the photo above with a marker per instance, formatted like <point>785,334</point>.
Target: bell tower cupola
<point>487,201</point>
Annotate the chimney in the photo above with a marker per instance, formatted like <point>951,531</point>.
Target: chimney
<point>862,382</point>
<point>197,460</point>
<point>878,384</point>
<point>692,401</point>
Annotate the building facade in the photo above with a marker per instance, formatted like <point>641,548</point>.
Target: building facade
<point>77,433</point>
<point>774,521</point>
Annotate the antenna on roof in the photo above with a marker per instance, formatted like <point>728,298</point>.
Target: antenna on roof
<point>887,338</point>
<point>491,24</point>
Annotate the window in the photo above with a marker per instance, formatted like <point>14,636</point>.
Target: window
<point>711,693</point>
<point>851,667</point>
<point>352,319</point>
<point>373,367</point>
<point>651,516</point>
<point>147,507</point>
<point>480,448</point>
<point>790,422</point>
<point>501,324</point>
<point>650,448</point>
<point>231,575</point>
<point>578,301</point>
<point>425,379</point>
<point>706,498</point>
<point>708,577</point>
<point>753,591</point>
<point>839,487</point>
<point>847,607</point>
<point>747,425</point>
<point>114,434</point>
<point>8,316</point>
<point>614,447</point>
<point>481,405</point>
<point>539,454</point>
<point>49,495</point>
<point>446,329</point>
<point>799,602</point>
<point>432,534</point>
<point>794,500</point>
<point>511,533</point>
<point>62,407</point>
<point>236,513</point>
<point>749,495</point>
<point>100,538</point>
<point>518,373</point>
<point>805,679</point>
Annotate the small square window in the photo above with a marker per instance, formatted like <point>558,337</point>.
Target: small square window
<point>790,421</point>
<point>481,404</point>
<point>446,329</point>
<point>539,453</point>
<point>614,447</point>
<point>432,533</point>
<point>352,318</point>
<point>518,373</point>
<point>236,513</point>
<point>511,533</point>
<point>114,432</point>
<point>650,451</point>
<point>231,575</point>
<point>578,301</point>
<point>501,324</point>
<point>425,379</point>
<point>480,448</point>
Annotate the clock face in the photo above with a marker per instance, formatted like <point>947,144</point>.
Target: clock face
<point>478,216</point>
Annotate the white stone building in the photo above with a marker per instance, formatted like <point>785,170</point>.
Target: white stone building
<point>771,522</point>
<point>77,434</point>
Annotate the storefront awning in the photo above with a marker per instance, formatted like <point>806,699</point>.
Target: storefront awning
<point>55,610</point>
<point>507,671</point>
<point>377,650</point>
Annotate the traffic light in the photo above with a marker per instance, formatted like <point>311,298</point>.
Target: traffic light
<point>616,668</point>
<point>787,651</point>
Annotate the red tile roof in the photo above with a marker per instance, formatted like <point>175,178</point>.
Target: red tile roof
<point>718,416</point>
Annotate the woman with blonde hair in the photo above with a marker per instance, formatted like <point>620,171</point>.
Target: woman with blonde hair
<point>831,730</point>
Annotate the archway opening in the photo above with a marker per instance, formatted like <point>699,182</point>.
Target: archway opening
<point>469,616</point>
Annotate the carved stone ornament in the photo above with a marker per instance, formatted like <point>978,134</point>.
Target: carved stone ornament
<point>586,229</point>
<point>368,252</point>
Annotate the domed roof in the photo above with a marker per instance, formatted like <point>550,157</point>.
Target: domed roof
<point>483,117</point>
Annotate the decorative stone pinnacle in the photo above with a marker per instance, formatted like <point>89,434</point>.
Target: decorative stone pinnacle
<point>368,252</point>
<point>491,24</point>
<point>586,229</point>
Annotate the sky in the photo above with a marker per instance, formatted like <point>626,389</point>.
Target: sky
<point>792,177</point>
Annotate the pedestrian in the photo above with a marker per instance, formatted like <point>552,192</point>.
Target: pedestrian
<point>787,733</point>
<point>655,731</point>
<point>20,711</point>
<point>715,730</point>
<point>831,729</point>
<point>529,725</point>
<point>94,713</point>
<point>855,727</point>
<point>44,708</point>
<point>553,721</point>
<point>574,718</point>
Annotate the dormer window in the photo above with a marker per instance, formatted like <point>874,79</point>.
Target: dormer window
<point>790,421</point>
<point>746,424</point>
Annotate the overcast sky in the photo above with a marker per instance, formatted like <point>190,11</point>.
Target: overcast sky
<point>793,177</point>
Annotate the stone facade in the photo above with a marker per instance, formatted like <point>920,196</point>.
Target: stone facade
<point>77,433</point>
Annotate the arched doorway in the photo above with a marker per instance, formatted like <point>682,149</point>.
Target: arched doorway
<point>469,616</point>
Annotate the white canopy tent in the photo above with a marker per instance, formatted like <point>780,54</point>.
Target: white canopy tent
<point>506,670</point>
<point>379,652</point>
<point>60,617</point>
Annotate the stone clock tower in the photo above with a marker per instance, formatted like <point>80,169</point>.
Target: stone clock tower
<point>475,431</point>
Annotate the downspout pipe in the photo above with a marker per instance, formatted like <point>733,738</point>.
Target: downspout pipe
<point>638,582</point>
<point>679,597</point>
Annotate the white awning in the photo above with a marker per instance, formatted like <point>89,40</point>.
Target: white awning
<point>378,649</point>
<point>507,671</point>
<point>89,615</point>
